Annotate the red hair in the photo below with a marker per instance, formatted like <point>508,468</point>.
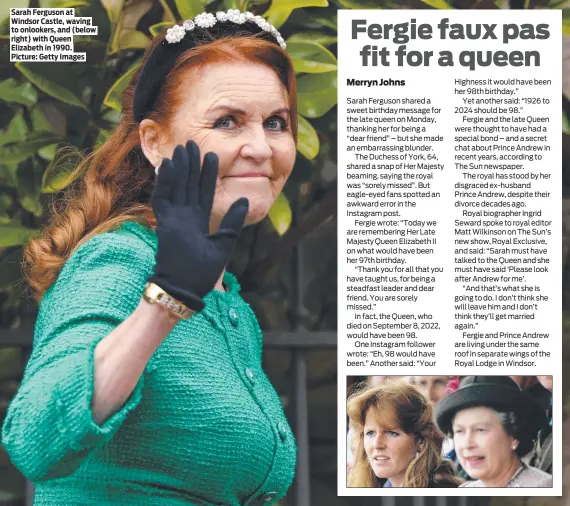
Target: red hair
<point>117,178</point>
<point>399,404</point>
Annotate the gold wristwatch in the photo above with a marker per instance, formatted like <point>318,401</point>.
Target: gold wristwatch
<point>153,294</point>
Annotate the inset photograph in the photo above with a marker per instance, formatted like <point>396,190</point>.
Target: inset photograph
<point>449,431</point>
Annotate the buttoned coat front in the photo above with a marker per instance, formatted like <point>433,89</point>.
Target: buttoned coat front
<point>203,425</point>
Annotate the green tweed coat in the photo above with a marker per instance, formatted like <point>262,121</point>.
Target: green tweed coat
<point>203,425</point>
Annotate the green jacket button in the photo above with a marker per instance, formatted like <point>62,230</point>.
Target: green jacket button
<point>282,429</point>
<point>233,316</point>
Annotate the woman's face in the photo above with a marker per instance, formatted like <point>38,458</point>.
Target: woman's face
<point>240,112</point>
<point>389,449</point>
<point>482,445</point>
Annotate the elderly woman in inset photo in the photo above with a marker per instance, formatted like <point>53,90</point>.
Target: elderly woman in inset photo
<point>395,441</point>
<point>145,385</point>
<point>493,425</point>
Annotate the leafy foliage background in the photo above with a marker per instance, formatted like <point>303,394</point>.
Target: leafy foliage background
<point>45,107</point>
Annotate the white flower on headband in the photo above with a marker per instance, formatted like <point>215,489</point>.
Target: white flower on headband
<point>236,16</point>
<point>175,34</point>
<point>264,25</point>
<point>207,20</point>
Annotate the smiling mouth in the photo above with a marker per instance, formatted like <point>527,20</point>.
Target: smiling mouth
<point>249,175</point>
<point>474,461</point>
<point>380,459</point>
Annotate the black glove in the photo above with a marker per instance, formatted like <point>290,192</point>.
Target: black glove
<point>189,259</point>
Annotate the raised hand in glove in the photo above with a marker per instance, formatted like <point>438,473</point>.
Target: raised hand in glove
<point>189,259</point>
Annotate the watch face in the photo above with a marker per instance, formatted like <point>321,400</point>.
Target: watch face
<point>153,294</point>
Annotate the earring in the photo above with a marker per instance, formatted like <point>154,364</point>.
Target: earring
<point>417,454</point>
<point>514,447</point>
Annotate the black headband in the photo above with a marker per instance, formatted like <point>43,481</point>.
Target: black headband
<point>163,57</point>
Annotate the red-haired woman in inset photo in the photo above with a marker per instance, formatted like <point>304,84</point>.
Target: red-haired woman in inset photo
<point>395,440</point>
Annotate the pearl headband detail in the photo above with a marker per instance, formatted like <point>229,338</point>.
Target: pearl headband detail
<point>202,29</point>
<point>207,20</point>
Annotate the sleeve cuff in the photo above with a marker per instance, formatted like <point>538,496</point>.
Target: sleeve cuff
<point>73,398</point>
